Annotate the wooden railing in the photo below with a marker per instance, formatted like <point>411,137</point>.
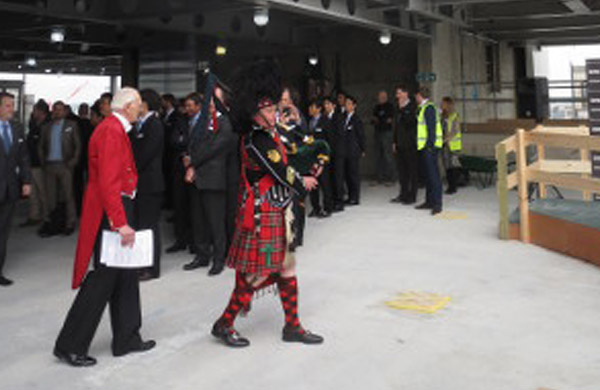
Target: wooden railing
<point>571,174</point>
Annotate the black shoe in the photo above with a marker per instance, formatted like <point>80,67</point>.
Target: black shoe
<point>450,191</point>
<point>353,203</point>
<point>338,208</point>
<point>409,201</point>
<point>196,263</point>
<point>178,246</point>
<point>144,276</point>
<point>5,281</point>
<point>424,206</point>
<point>229,336</point>
<point>143,346</point>
<point>397,199</point>
<point>73,359</point>
<point>68,231</point>
<point>436,210</point>
<point>324,214</point>
<point>46,230</point>
<point>216,269</point>
<point>31,222</point>
<point>314,213</point>
<point>299,335</point>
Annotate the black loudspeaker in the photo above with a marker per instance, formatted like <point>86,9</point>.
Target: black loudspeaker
<point>532,98</point>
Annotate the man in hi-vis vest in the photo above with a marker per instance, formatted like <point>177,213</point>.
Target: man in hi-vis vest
<point>429,143</point>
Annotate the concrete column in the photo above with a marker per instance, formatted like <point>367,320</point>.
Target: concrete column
<point>130,68</point>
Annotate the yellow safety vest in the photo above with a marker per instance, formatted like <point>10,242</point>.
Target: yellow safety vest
<point>422,128</point>
<point>456,142</point>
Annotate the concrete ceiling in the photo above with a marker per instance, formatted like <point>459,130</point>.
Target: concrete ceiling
<point>98,32</point>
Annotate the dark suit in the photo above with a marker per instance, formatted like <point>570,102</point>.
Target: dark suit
<point>323,130</point>
<point>147,146</point>
<point>353,136</point>
<point>405,139</point>
<point>209,153</point>
<point>14,172</point>
<point>172,123</point>
<point>178,128</point>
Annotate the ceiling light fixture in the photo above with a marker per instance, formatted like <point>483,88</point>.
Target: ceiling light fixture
<point>31,61</point>
<point>221,50</point>
<point>313,60</point>
<point>385,38</point>
<point>261,17</point>
<point>57,35</point>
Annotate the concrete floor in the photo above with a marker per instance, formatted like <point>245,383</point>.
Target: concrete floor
<point>520,317</point>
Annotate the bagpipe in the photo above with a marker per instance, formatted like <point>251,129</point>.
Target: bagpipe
<point>305,153</point>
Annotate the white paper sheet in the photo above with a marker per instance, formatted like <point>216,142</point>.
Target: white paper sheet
<point>113,254</point>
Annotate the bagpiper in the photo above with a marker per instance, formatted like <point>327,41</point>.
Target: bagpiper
<point>259,251</point>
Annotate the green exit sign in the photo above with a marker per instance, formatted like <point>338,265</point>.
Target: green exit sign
<point>426,77</point>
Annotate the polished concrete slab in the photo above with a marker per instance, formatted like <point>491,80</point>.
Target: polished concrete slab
<point>520,317</point>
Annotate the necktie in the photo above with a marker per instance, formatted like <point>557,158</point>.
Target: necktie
<point>6,137</point>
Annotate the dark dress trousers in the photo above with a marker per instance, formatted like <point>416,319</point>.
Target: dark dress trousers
<point>147,145</point>
<point>14,172</point>
<point>405,138</point>
<point>209,153</point>
<point>323,130</point>
<point>355,144</point>
<point>178,127</point>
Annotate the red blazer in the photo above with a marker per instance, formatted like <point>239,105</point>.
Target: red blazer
<point>112,173</point>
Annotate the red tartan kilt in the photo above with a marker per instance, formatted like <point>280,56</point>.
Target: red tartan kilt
<point>249,249</point>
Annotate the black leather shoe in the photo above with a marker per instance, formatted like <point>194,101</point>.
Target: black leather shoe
<point>450,191</point>
<point>409,201</point>
<point>31,222</point>
<point>46,230</point>
<point>143,346</point>
<point>353,203</point>
<point>229,336</point>
<point>299,335</point>
<point>314,213</point>
<point>5,281</point>
<point>73,359</point>
<point>324,214</point>
<point>144,276</point>
<point>338,208</point>
<point>178,246</point>
<point>424,206</point>
<point>196,263</point>
<point>397,199</point>
<point>436,210</point>
<point>216,269</point>
<point>68,231</point>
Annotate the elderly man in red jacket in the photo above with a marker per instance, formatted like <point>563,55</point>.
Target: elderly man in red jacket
<point>107,205</point>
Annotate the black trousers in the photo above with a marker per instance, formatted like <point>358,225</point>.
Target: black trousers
<point>182,204</point>
<point>147,216</point>
<point>352,176</point>
<point>299,211</point>
<point>6,212</point>
<point>231,210</point>
<point>209,209</point>
<point>119,288</point>
<point>339,174</point>
<point>433,180</point>
<point>325,188</point>
<point>408,174</point>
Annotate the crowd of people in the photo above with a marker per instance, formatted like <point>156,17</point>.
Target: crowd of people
<point>410,137</point>
<point>236,166</point>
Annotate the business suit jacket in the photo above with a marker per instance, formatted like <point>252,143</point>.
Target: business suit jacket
<point>177,129</point>
<point>71,143</point>
<point>14,167</point>
<point>210,152</point>
<point>405,127</point>
<point>354,135</point>
<point>147,146</point>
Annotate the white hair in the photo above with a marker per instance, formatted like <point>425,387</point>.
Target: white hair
<point>124,97</point>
